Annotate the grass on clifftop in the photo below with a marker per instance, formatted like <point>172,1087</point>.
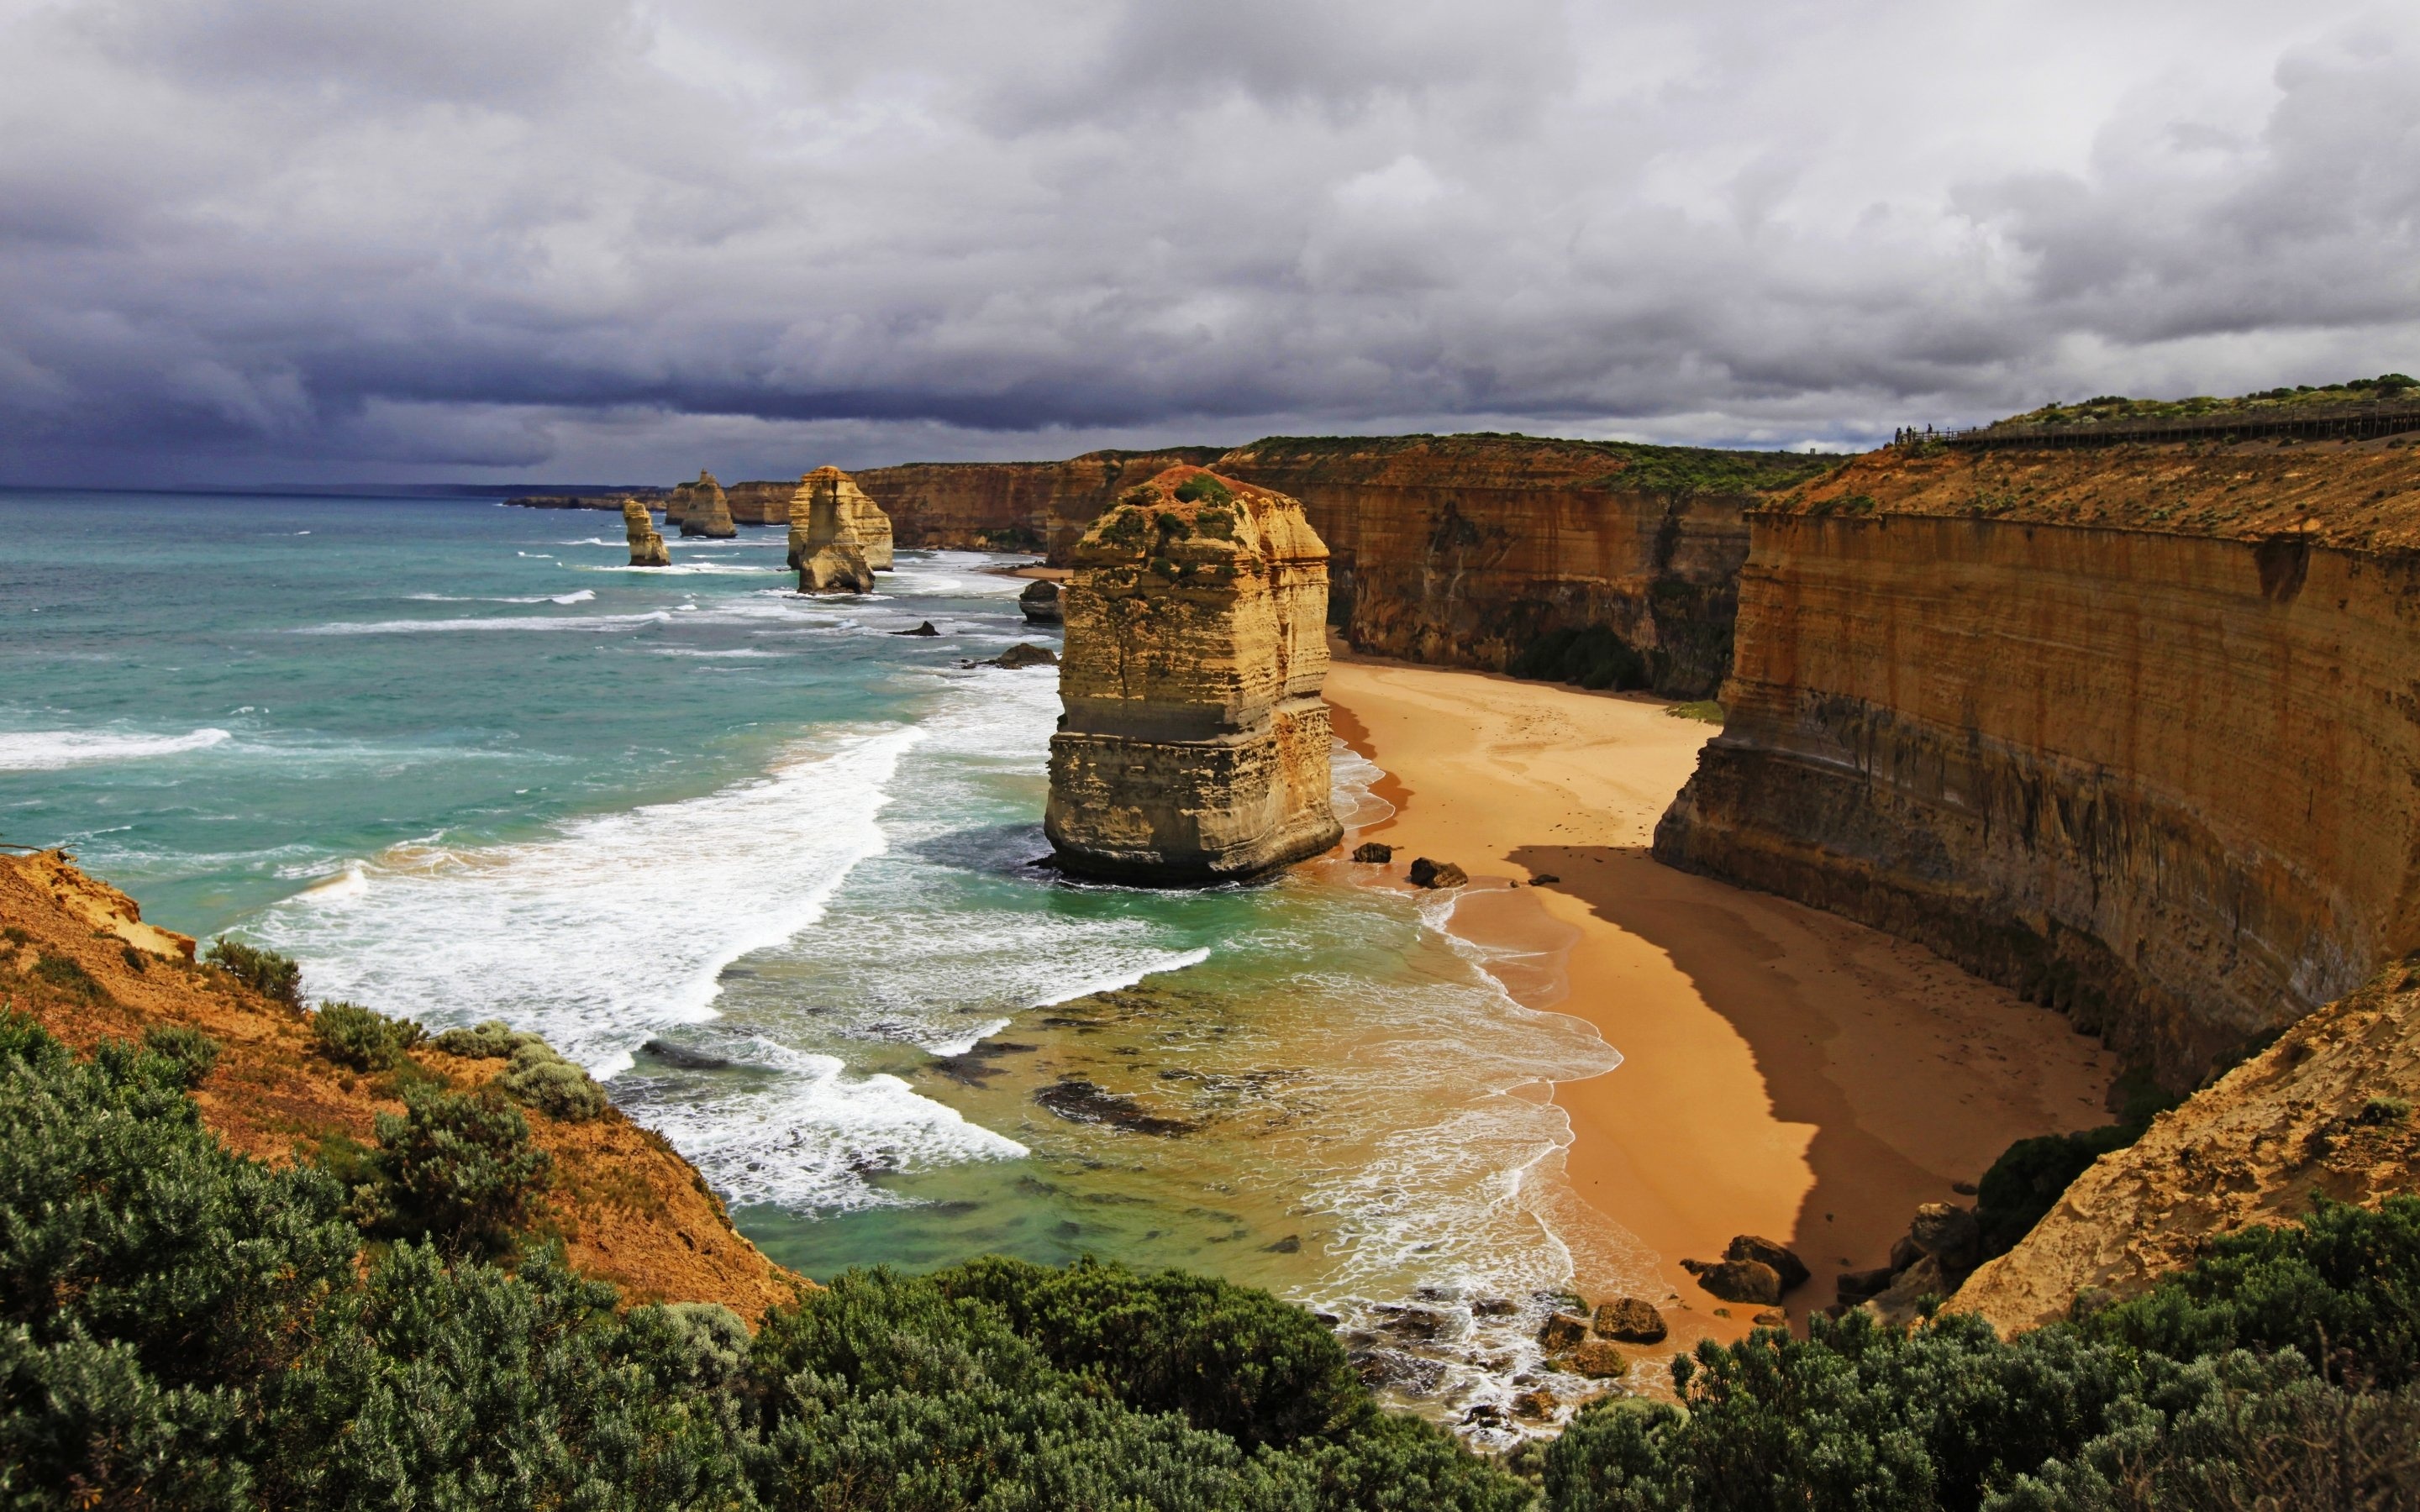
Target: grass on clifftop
<point>2108,407</point>
<point>1667,469</point>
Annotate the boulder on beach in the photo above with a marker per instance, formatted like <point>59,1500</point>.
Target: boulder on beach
<point>1900,1304</point>
<point>1785,1263</point>
<point>1374,852</point>
<point>1631,1321</point>
<point>1750,1281</point>
<point>1428,873</point>
<point>1563,1330</point>
<point>835,570</point>
<point>1597,1360</point>
<point>639,528</point>
<point>701,509</point>
<point>1040,602</point>
<point>1950,1235</point>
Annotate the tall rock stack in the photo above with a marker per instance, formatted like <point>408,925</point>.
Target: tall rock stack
<point>830,509</point>
<point>1194,748</point>
<point>701,509</point>
<point>646,547</point>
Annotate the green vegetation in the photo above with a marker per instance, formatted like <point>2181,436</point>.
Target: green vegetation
<point>1204,485</point>
<point>2107,408</point>
<point>264,970</point>
<point>1593,656</point>
<point>2276,1373</point>
<point>191,1051</point>
<point>1706,710</point>
<point>538,1077</point>
<point>351,1035</point>
<point>181,1327</point>
<point>67,976</point>
<point>2032,1175</point>
<point>1678,470</point>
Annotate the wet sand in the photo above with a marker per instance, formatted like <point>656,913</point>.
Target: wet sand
<point>1784,1072</point>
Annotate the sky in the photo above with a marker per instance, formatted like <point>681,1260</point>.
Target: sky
<point>311,242</point>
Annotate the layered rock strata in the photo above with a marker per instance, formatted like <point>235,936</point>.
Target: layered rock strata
<point>700,509</point>
<point>835,570</point>
<point>828,508</point>
<point>646,546</point>
<point>1195,745</point>
<point>2129,729</point>
<point>759,502</point>
<point>1013,506</point>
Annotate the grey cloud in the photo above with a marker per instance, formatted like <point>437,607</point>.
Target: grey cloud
<point>541,236</point>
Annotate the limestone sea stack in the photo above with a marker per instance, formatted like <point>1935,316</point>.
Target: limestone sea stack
<point>835,570</point>
<point>646,547</point>
<point>701,509</point>
<point>1194,748</point>
<point>830,509</point>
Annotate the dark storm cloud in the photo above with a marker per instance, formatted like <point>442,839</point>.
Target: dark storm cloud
<point>261,239</point>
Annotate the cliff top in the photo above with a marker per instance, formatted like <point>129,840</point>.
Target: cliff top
<point>2110,408</point>
<point>1198,529</point>
<point>2358,494</point>
<point>1491,459</point>
<point>76,957</point>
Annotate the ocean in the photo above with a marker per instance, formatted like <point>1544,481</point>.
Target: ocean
<point>764,864</point>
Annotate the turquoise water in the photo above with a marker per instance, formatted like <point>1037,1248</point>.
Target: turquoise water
<point>762,863</point>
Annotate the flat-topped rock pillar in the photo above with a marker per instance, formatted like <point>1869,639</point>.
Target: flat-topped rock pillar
<point>1194,749</point>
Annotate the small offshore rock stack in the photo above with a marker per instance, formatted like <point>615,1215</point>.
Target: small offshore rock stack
<point>1194,748</point>
<point>830,509</point>
<point>701,510</point>
<point>646,547</point>
<point>1040,602</point>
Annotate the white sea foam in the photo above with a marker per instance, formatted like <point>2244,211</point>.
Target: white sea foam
<point>43,750</point>
<point>583,596</point>
<point>1351,776</point>
<point>522,622</point>
<point>615,927</point>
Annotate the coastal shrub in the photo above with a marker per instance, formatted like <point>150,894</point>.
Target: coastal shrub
<point>1204,485</point>
<point>1593,658</point>
<point>2029,1177</point>
<point>457,1168</point>
<point>191,1051</point>
<point>489,1040</point>
<point>542,1079</point>
<point>265,971</point>
<point>351,1035</point>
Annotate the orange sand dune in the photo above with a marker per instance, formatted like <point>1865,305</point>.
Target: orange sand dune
<point>1784,1072</point>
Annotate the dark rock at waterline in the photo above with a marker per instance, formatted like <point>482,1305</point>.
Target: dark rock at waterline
<point>1019,655</point>
<point>1410,1322</point>
<point>1079,1100</point>
<point>1373,851</point>
<point>1785,1263</point>
<point>1751,1281</point>
<point>1596,1359</point>
<point>1428,873</point>
<point>1290,1245</point>
<point>1040,602</point>
<point>1858,1286</point>
<point>1631,1321</point>
<point>1563,1330</point>
<point>1540,1403</point>
<point>1494,1307</point>
<point>1545,879</point>
<point>974,1067</point>
<point>687,1059</point>
<point>1406,1373</point>
<point>924,630</point>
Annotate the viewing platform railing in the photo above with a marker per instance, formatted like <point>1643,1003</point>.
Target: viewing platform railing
<point>2311,422</point>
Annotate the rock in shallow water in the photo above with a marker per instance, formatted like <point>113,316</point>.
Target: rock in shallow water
<point>835,570</point>
<point>1428,873</point>
<point>1040,602</point>
<point>1373,853</point>
<point>638,530</point>
<point>1630,1320</point>
<point>701,509</point>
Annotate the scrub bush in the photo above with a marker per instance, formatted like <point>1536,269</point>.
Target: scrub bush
<point>274,976</point>
<point>456,1168</point>
<point>541,1079</point>
<point>351,1035</point>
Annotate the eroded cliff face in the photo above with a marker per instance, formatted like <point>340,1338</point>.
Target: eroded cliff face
<point>700,509</point>
<point>2130,730</point>
<point>760,503</point>
<point>2325,1111</point>
<point>1195,745</point>
<point>828,509</point>
<point>1013,506</point>
<point>1461,551</point>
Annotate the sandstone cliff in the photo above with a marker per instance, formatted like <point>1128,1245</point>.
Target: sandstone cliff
<point>1195,745</point>
<point>828,508</point>
<point>759,502</point>
<point>1455,550</point>
<point>76,957</point>
<point>1464,550</point>
<point>639,528</point>
<point>700,509</point>
<point>1013,506</point>
<point>2325,1110</point>
<point>2128,728</point>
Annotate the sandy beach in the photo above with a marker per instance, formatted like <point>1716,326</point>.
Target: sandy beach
<point>1784,1072</point>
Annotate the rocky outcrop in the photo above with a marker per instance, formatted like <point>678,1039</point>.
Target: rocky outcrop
<point>2326,1111</point>
<point>2128,728</point>
<point>1013,506</point>
<point>1194,748</point>
<point>646,547</point>
<point>699,509</point>
<point>760,503</point>
<point>828,508</point>
<point>835,570</point>
<point>1040,602</point>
